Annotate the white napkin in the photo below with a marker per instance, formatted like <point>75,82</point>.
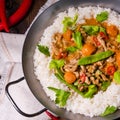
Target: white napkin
<point>11,69</point>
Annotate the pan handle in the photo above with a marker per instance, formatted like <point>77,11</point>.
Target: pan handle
<point>15,105</point>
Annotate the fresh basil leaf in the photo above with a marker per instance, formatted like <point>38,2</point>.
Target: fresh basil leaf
<point>105,85</point>
<point>78,39</point>
<point>55,64</point>
<point>44,50</point>
<point>116,77</point>
<point>102,16</point>
<point>94,58</point>
<point>109,110</point>
<point>61,96</point>
<point>118,38</point>
<point>69,22</point>
<point>91,29</point>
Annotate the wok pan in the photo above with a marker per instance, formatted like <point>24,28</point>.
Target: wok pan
<point>32,39</point>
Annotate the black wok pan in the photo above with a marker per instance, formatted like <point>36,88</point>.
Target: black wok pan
<point>33,36</point>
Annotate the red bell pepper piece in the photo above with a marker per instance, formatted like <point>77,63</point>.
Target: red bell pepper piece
<point>19,14</point>
<point>3,18</point>
<point>95,40</point>
<point>111,69</point>
<point>83,77</point>
<point>103,35</point>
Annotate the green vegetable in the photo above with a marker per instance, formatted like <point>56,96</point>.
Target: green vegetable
<point>69,22</point>
<point>44,50</point>
<point>91,29</point>
<point>102,30</point>
<point>109,110</point>
<point>78,39</point>
<point>105,85</point>
<point>56,64</point>
<point>61,96</point>
<point>94,58</point>
<point>71,49</point>
<point>118,38</point>
<point>61,79</point>
<point>102,16</point>
<point>117,77</point>
<point>92,89</point>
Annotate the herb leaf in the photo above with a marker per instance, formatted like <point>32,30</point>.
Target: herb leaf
<point>102,29</point>
<point>91,29</point>
<point>94,58</point>
<point>117,77</point>
<point>61,96</point>
<point>78,39</point>
<point>109,110</point>
<point>105,85</point>
<point>102,16</point>
<point>118,38</point>
<point>56,64</point>
<point>69,22</point>
<point>92,89</point>
<point>44,50</point>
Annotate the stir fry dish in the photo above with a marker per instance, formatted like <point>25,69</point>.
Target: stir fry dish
<point>85,57</point>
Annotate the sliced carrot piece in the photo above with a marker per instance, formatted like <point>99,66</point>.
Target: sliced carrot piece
<point>70,77</point>
<point>67,35</point>
<point>88,49</point>
<point>112,30</point>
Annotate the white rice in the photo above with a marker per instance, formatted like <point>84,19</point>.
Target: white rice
<point>75,103</point>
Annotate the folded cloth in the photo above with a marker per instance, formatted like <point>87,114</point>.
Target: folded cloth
<point>11,69</point>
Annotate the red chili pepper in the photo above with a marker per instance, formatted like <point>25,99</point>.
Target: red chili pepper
<point>52,116</point>
<point>103,35</point>
<point>111,69</point>
<point>63,54</point>
<point>83,77</point>
<point>19,14</point>
<point>3,18</point>
<point>97,43</point>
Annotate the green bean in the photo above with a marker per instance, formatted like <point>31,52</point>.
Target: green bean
<point>61,79</point>
<point>94,58</point>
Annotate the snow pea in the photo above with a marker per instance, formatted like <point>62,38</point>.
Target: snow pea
<point>94,58</point>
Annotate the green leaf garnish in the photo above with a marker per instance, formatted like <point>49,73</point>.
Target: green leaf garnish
<point>56,64</point>
<point>94,58</point>
<point>102,30</point>
<point>102,16</point>
<point>69,22</point>
<point>105,85</point>
<point>109,110</point>
<point>92,89</point>
<point>61,96</point>
<point>116,77</point>
<point>118,38</point>
<point>78,39</point>
<point>91,29</point>
<point>44,50</point>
